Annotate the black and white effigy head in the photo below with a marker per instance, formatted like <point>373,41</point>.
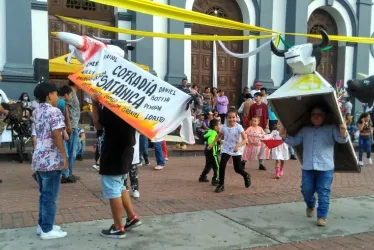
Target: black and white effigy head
<point>305,58</point>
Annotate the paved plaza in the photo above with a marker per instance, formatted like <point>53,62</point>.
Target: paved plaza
<point>180,213</point>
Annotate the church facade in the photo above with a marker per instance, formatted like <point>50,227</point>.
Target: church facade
<point>173,60</point>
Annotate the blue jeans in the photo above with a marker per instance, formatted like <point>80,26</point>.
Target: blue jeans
<point>158,153</point>
<point>73,149</point>
<point>364,145</point>
<point>290,149</point>
<point>313,181</point>
<point>49,187</point>
<point>206,109</point>
<point>82,147</point>
<point>143,148</point>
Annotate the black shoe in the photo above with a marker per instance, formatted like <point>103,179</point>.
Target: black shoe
<point>247,181</point>
<point>74,177</point>
<point>92,128</point>
<point>262,167</point>
<point>146,161</point>
<point>135,222</point>
<point>67,180</point>
<point>203,179</point>
<point>113,233</point>
<point>79,158</point>
<point>220,189</point>
<point>215,182</point>
<point>293,157</point>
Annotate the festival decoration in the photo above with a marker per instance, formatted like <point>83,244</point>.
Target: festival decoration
<point>362,89</point>
<point>292,101</point>
<point>152,106</point>
<point>162,35</point>
<point>180,14</point>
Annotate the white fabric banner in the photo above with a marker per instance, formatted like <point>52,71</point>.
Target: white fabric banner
<point>246,55</point>
<point>153,107</point>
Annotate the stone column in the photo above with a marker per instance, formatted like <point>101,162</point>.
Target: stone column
<point>263,69</point>
<point>362,54</point>
<point>143,53</point>
<point>18,69</point>
<point>175,49</point>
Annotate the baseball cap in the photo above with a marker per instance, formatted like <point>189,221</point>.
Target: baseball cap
<point>258,84</point>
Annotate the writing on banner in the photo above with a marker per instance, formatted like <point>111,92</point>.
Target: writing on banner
<point>152,106</point>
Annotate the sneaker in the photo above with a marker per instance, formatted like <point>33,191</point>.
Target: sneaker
<point>361,163</point>
<point>281,171</point>
<point>146,162</point>
<point>277,173</point>
<point>370,162</point>
<point>159,167</point>
<point>96,166</point>
<point>114,233</point>
<point>53,234</point>
<point>203,179</point>
<point>166,159</point>
<point>293,157</point>
<point>321,222</point>
<point>136,194</point>
<point>220,189</point>
<point>262,167</point>
<point>247,181</point>
<point>310,212</point>
<point>39,229</point>
<point>135,222</point>
<point>67,180</point>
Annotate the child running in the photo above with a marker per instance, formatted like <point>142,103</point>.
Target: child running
<point>235,139</point>
<point>211,156</point>
<point>280,153</point>
<point>254,133</point>
<point>365,138</point>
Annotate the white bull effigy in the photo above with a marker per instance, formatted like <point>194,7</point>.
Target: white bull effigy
<point>292,101</point>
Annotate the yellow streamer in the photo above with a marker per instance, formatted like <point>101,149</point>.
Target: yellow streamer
<point>172,12</point>
<point>163,35</point>
<point>168,11</point>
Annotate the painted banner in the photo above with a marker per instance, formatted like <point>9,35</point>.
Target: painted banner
<point>153,107</point>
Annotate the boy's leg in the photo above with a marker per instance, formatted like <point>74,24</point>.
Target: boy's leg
<point>50,187</point>
<point>361,143</point>
<point>238,167</point>
<point>132,219</point>
<point>159,156</point>
<point>215,168</point>
<point>40,182</point>
<point>73,150</point>
<point>368,147</point>
<point>164,149</point>
<point>323,187</point>
<point>112,188</point>
<point>308,187</point>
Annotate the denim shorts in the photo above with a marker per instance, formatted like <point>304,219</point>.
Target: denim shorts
<point>113,185</point>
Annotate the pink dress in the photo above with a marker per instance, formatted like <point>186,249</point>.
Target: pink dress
<point>254,149</point>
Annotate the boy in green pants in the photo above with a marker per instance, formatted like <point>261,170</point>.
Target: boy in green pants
<point>211,156</point>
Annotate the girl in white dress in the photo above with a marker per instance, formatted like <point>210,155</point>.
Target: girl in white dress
<point>280,153</point>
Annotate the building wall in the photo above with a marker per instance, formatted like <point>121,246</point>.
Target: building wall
<point>371,58</point>
<point>39,28</point>
<point>160,44</point>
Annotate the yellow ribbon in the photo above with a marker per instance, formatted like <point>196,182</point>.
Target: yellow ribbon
<point>168,11</point>
<point>163,35</point>
<point>172,12</point>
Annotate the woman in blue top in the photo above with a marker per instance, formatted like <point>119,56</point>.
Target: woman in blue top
<point>273,120</point>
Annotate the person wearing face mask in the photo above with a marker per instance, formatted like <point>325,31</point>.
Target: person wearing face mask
<point>26,103</point>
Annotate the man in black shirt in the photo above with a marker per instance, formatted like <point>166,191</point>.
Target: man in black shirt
<point>115,162</point>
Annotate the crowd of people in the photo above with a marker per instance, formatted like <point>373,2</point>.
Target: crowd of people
<point>231,136</point>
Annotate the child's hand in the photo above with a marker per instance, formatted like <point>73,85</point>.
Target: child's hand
<point>209,147</point>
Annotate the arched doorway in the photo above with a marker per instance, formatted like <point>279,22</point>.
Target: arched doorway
<point>229,69</point>
<point>321,19</point>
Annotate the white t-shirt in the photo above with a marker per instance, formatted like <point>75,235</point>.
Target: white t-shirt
<point>3,97</point>
<point>135,159</point>
<point>232,137</point>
